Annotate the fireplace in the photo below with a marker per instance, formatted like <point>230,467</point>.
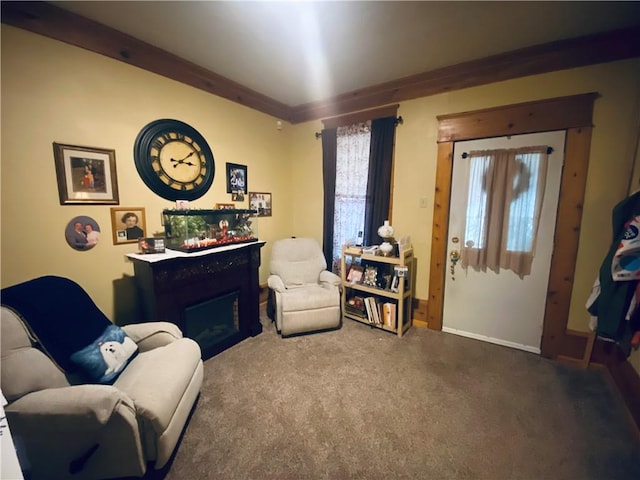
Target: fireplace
<point>213,321</point>
<point>211,295</point>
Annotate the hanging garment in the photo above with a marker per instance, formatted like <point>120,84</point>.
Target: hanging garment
<point>611,307</point>
<point>626,259</point>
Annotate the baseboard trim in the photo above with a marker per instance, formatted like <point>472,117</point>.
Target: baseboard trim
<point>420,323</point>
<point>419,307</point>
<point>496,341</point>
<point>585,350</point>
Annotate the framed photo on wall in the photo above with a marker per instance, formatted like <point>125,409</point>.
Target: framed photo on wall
<point>236,178</point>
<point>225,206</point>
<point>128,224</point>
<point>261,202</point>
<point>86,175</point>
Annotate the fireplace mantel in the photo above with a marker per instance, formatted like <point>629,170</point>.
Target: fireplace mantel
<point>173,284</point>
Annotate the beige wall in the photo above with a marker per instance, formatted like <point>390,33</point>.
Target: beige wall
<point>614,136</point>
<point>55,92</point>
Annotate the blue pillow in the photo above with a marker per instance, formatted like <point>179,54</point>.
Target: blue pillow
<point>104,359</point>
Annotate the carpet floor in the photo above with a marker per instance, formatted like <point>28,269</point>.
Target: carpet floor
<point>360,403</point>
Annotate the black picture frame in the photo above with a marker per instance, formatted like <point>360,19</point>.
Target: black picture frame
<point>236,178</point>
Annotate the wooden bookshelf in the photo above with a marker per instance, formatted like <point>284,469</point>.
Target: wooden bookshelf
<point>391,284</point>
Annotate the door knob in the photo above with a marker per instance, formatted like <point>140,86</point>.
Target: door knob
<point>454,256</point>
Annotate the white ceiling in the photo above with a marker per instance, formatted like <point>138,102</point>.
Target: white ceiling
<point>301,52</point>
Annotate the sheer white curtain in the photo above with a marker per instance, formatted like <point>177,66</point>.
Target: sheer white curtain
<point>504,197</point>
<point>352,168</point>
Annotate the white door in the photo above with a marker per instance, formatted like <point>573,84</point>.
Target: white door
<point>501,307</point>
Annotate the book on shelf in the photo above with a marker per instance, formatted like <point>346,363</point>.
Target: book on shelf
<point>367,305</point>
<point>389,315</point>
<point>373,311</point>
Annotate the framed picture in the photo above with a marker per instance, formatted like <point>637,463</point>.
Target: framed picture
<point>355,274</point>
<point>82,233</point>
<point>237,196</point>
<point>370,276</point>
<point>86,175</point>
<point>261,202</point>
<point>128,224</point>
<point>236,178</point>
<point>225,206</point>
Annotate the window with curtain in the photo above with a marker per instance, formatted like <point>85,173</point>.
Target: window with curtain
<point>505,190</point>
<point>352,170</point>
<point>357,162</point>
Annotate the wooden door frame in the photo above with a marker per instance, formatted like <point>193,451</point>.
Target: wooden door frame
<point>574,114</point>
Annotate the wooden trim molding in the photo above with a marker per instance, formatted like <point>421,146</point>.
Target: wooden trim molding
<point>549,57</point>
<point>419,309</point>
<point>521,118</point>
<point>54,22</point>
<point>539,116</point>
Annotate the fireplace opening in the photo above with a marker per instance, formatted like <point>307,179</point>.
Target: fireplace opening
<point>213,321</point>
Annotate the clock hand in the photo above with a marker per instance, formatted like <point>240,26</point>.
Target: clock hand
<point>182,160</point>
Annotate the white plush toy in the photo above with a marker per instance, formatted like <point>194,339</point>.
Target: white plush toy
<point>116,354</point>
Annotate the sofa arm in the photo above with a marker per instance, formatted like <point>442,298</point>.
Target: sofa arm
<point>330,278</point>
<point>79,408</point>
<point>82,431</point>
<point>150,335</point>
<point>275,283</point>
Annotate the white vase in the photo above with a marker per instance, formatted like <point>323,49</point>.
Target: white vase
<point>386,248</point>
<point>386,230</point>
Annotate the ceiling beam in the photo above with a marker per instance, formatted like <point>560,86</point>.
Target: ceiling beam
<point>51,21</point>
<point>549,57</point>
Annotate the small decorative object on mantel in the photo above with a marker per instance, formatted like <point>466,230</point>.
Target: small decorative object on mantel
<point>386,233</point>
<point>151,245</point>
<point>225,206</point>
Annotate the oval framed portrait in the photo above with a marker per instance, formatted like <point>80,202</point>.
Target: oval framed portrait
<point>82,233</point>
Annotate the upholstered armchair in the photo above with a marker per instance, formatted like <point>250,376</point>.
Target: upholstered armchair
<point>305,295</point>
<point>88,399</point>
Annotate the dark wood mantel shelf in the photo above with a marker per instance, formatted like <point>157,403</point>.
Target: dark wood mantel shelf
<point>171,284</point>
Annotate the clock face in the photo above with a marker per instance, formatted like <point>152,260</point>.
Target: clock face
<point>174,160</point>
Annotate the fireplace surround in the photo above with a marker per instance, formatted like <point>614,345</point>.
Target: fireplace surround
<point>212,295</point>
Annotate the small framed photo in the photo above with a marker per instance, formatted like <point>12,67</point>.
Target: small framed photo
<point>355,274</point>
<point>128,224</point>
<point>225,206</point>
<point>370,276</point>
<point>236,178</point>
<point>261,202</point>
<point>150,245</point>
<point>82,233</point>
<point>237,196</point>
<point>86,175</point>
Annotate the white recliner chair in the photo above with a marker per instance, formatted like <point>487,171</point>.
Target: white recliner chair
<point>66,426</point>
<point>305,295</point>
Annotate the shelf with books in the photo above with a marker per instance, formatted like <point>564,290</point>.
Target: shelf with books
<point>377,289</point>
